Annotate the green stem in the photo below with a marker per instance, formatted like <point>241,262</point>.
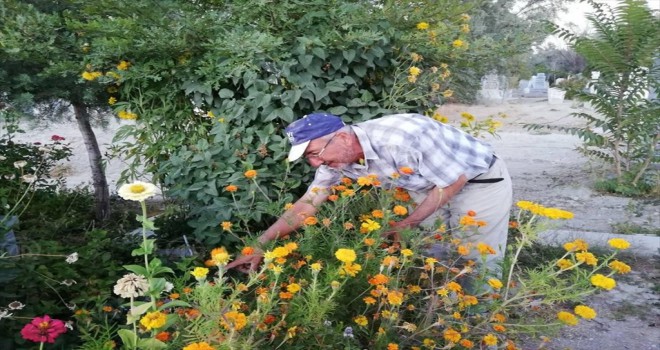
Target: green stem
<point>41,346</point>
<point>144,237</point>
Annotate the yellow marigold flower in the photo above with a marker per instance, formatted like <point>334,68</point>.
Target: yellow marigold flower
<point>350,269</point>
<point>451,335</point>
<point>407,252</point>
<point>153,320</point>
<point>586,258</point>
<point>370,225</point>
<point>199,346</point>
<point>400,210</point>
<point>123,65</point>
<point>390,261</point>
<point>233,319</point>
<point>456,315</point>
<point>442,292</point>
<point>465,28</point>
<point>466,220</point>
<point>490,339</point>
<point>221,258</point>
<point>414,289</point>
<point>422,26</point>
<point>364,181</point>
<point>580,244</point>
<point>619,266</point>
<point>498,318</point>
<point>448,93</point>
<point>226,225</point>
<point>466,343</point>
<point>619,243</point>
<point>463,250</point>
<point>127,115</point>
<point>414,71</point>
<point>250,174</point>
<point>231,188</point>
<point>310,221</point>
<point>567,318</point>
<point>395,297</point>
<point>379,279</point>
<point>348,193</point>
<point>91,76</point>
<point>392,346</point>
<point>280,252</point>
<point>293,288</point>
<point>564,264</point>
<point>288,206</point>
<point>556,213</point>
<point>112,100</point>
<point>441,118</point>
<point>315,267</point>
<point>416,57</point>
<point>585,312</point>
<point>458,43</point>
<point>107,308</point>
<point>369,300</point>
<point>345,255</point>
<point>495,283</point>
<point>604,282</point>
<point>200,272</point>
<point>453,286</point>
<point>484,249</point>
<point>361,320</point>
<point>429,343</point>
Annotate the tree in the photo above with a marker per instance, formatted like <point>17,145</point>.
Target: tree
<point>41,61</point>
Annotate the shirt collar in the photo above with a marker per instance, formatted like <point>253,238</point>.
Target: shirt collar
<point>365,143</point>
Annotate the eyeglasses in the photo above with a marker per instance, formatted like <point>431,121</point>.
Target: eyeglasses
<point>319,153</point>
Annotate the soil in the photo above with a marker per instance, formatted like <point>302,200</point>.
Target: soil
<point>545,168</point>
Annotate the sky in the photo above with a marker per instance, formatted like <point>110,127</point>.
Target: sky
<point>575,20</point>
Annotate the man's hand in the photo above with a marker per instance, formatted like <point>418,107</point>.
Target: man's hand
<point>247,263</point>
<point>394,233</point>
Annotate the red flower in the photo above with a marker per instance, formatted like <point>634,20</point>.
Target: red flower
<point>57,138</point>
<point>43,329</point>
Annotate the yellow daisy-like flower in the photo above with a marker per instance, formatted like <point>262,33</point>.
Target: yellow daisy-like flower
<point>199,346</point>
<point>407,252</point>
<point>369,300</point>
<point>91,76</point>
<point>458,43</point>
<point>112,100</point>
<point>604,282</point>
<point>233,319</point>
<point>221,258</point>
<point>250,174</point>
<point>585,312</point>
<point>345,255</point>
<point>123,65</point>
<point>395,297</point>
<point>293,288</point>
<point>153,320</point>
<point>280,252</point>
<point>564,264</point>
<point>586,258</point>
<point>619,266</point>
<point>619,243</point>
<point>490,339</point>
<point>361,320</point>
<point>350,269</point>
<point>448,93</point>
<point>567,318</point>
<point>127,115</point>
<point>370,225</point>
<point>200,272</point>
<point>315,267</point>
<point>422,26</point>
<point>226,225</point>
<point>414,71</point>
<point>495,283</point>
<point>137,191</point>
<point>451,335</point>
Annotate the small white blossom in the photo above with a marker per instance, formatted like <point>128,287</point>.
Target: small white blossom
<point>29,178</point>
<point>71,258</point>
<point>68,282</point>
<point>71,306</point>
<point>131,286</point>
<point>4,314</point>
<point>3,158</point>
<point>69,325</point>
<point>327,323</point>
<point>20,164</point>
<point>168,287</point>
<point>137,191</point>
<point>9,176</point>
<point>16,305</point>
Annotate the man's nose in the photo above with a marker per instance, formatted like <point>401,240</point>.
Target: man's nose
<point>315,162</point>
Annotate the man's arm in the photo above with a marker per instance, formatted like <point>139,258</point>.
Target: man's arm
<point>291,220</point>
<point>436,198</point>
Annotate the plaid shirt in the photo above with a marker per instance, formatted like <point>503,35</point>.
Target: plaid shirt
<point>437,153</point>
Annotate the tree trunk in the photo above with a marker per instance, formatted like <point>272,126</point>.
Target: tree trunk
<point>100,183</point>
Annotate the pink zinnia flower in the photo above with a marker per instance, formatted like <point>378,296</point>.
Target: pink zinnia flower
<point>43,329</point>
<point>57,138</point>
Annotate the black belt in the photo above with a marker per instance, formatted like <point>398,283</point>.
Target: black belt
<point>487,181</point>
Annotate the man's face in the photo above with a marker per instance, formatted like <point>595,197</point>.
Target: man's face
<point>334,151</point>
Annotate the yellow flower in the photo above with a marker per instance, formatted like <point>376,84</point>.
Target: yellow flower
<point>495,283</point>
<point>392,346</point>
<point>280,252</point>
<point>619,266</point>
<point>345,255</point>
<point>127,115</point>
<point>199,346</point>
<point>233,319</point>
<point>429,343</point>
<point>484,249</point>
<point>416,57</point>
<point>407,252</point>
<point>221,258</point>
<point>453,286</point>
<point>458,43</point>
<point>361,320</point>
<point>441,118</point>
<point>490,339</point>
<point>619,243</point>
<point>123,65</point>
<point>315,267</point>
<point>91,76</point>
<point>585,312</point>
<point>414,71</point>
<point>200,272</point>
<point>422,26</point>
<point>448,93</point>
<point>465,28</point>
<point>226,225</point>
<point>586,258</point>
<point>364,181</point>
<point>112,100</point>
<point>350,269</point>
<point>153,320</point>
<point>465,17</point>
<point>293,288</point>
<point>370,225</point>
<point>395,297</point>
<point>250,174</point>
<point>451,335</point>
<point>564,264</point>
<point>604,282</point>
<point>567,318</point>
<point>442,292</point>
<point>137,191</point>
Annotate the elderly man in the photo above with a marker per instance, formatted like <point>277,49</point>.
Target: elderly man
<point>453,173</point>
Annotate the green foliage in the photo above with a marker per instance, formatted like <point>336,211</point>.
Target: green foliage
<point>624,131</point>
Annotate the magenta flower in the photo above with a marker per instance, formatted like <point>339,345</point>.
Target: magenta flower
<point>57,138</point>
<point>43,330</point>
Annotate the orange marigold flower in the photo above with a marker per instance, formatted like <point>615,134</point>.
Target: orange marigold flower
<point>369,300</point>
<point>175,295</point>
<point>234,320</point>
<point>406,170</point>
<point>164,336</point>
<point>453,286</point>
<point>463,250</point>
<point>369,242</point>
<point>400,210</point>
<point>346,181</point>
<point>379,279</point>
<point>378,214</point>
<point>310,220</point>
<point>231,188</point>
<point>333,197</point>
<point>471,213</point>
<point>187,290</point>
<point>451,335</point>
<point>107,308</point>
<point>392,346</point>
<point>466,343</point>
<point>286,295</point>
<point>348,226</point>
<point>247,251</point>
<point>250,174</point>
<point>226,225</point>
<point>499,328</point>
<point>467,221</point>
<point>484,248</point>
<point>513,224</point>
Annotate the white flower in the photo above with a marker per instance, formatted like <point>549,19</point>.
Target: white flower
<point>131,286</point>
<point>3,158</point>
<point>71,306</point>
<point>9,176</point>
<point>69,325</point>
<point>20,164</point>
<point>168,287</point>
<point>4,314</point>
<point>137,191</point>
<point>348,332</point>
<point>71,258</point>
<point>29,178</point>
<point>44,150</point>
<point>68,282</point>
<point>16,305</point>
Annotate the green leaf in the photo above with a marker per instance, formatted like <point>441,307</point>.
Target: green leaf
<point>225,93</point>
<point>129,338</point>
<point>305,60</point>
<point>137,269</point>
<point>360,70</point>
<point>150,343</point>
<point>349,55</point>
<point>134,314</point>
<point>338,110</point>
